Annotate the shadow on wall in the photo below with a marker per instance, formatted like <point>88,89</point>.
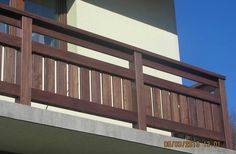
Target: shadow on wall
<point>157,13</point>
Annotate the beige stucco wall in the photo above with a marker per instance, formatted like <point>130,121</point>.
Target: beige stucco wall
<point>145,24</point>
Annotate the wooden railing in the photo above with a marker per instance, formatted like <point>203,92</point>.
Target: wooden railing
<point>88,85</point>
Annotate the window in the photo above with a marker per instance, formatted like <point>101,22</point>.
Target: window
<point>4,27</point>
<point>48,9</point>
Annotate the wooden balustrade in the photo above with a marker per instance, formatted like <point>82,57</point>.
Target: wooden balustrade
<point>96,87</point>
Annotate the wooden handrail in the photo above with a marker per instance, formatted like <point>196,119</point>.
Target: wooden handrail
<point>112,44</point>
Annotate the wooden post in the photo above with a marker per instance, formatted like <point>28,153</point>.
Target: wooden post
<point>26,61</point>
<point>138,91</point>
<point>226,122</point>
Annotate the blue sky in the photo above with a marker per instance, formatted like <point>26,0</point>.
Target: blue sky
<point>207,38</point>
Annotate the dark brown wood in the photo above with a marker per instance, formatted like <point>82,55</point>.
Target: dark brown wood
<point>139,85</point>
<point>157,102</point>
<point>227,127</point>
<point>106,89</point>
<point>73,81</point>
<point>147,99</point>
<point>117,93</point>
<point>192,111</point>
<point>217,118</point>
<point>200,114</point>
<point>84,84</point>
<point>49,75</point>
<point>26,62</point>
<point>183,128</point>
<point>82,106</point>
<point>179,72</point>
<point>184,116</point>
<point>61,78</point>
<point>174,87</point>
<point>9,89</point>
<point>96,87</point>
<point>79,60</point>
<point>174,100</point>
<point>37,81</point>
<point>208,115</point>
<point>10,21</point>
<point>127,95</point>
<point>10,41</point>
<point>165,95</point>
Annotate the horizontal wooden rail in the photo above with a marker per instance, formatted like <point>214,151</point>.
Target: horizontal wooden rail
<point>196,93</point>
<point>10,21</point>
<point>9,89</point>
<point>83,106</point>
<point>182,128</point>
<point>79,60</point>
<point>10,40</point>
<point>179,72</point>
<point>42,29</point>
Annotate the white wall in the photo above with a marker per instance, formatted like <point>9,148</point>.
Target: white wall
<point>145,24</point>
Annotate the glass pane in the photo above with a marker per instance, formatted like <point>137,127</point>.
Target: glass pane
<point>46,9</point>
<point>4,27</point>
<point>4,2</point>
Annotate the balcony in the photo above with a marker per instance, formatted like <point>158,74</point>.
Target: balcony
<point>99,88</point>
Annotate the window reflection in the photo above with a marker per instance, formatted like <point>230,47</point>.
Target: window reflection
<point>46,9</point>
<point>4,27</point>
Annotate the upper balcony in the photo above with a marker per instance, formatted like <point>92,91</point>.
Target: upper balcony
<point>34,72</point>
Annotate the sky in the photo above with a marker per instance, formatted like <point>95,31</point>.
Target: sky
<point>207,38</point>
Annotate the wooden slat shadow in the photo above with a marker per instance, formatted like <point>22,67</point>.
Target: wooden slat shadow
<point>106,89</point>
<point>147,99</point>
<point>157,102</point>
<point>84,84</point>
<point>166,105</point>
<point>96,87</point>
<point>117,93</point>
<point>127,95</point>
<point>37,71</point>
<point>49,75</point>
<point>174,98</point>
<point>73,81</point>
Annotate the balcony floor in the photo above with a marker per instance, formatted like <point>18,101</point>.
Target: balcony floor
<point>29,130</point>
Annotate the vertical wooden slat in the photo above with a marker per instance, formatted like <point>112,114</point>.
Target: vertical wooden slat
<point>49,75</point>
<point>208,115</point>
<point>96,87</point>
<point>84,84</point>
<point>127,95</point>
<point>227,127</point>
<point>183,109</point>
<point>192,111</point>
<point>26,61</point>
<point>166,104</point>
<point>157,102</point>
<point>73,81</point>
<point>37,72</point>
<point>217,118</point>
<point>61,78</point>
<point>175,107</point>
<point>200,114</point>
<point>106,89</point>
<point>138,68</point>
<point>9,65</point>
<point>117,97</point>
<point>147,99</point>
